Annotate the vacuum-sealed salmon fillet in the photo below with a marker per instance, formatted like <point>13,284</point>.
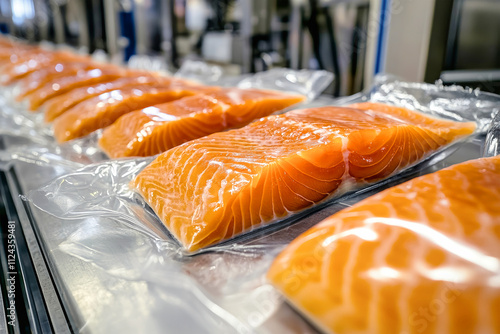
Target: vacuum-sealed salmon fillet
<point>58,105</point>
<point>158,128</point>
<point>102,110</point>
<point>29,62</point>
<point>42,77</point>
<point>421,257</point>
<point>216,187</point>
<point>62,85</point>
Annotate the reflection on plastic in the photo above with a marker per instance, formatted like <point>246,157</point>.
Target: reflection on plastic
<point>305,82</point>
<point>492,142</point>
<point>422,257</point>
<point>281,165</point>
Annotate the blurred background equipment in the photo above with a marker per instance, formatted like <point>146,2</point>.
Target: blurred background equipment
<point>456,41</point>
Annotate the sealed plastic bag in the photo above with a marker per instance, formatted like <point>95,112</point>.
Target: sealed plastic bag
<point>421,257</point>
<point>62,192</point>
<point>106,259</point>
<point>107,262</point>
<point>230,107</point>
<point>492,141</point>
<point>411,254</point>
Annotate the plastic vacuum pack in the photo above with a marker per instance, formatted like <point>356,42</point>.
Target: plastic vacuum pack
<point>224,289</point>
<point>55,197</point>
<point>86,149</point>
<point>422,257</point>
<point>147,280</point>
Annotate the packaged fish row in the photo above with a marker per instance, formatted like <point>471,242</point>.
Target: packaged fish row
<point>210,193</point>
<point>80,96</point>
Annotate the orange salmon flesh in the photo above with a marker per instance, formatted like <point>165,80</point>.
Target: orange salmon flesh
<point>214,188</point>
<point>422,257</point>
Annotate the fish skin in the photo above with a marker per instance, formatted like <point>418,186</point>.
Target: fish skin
<point>216,187</point>
<point>58,105</point>
<point>420,257</point>
<point>101,111</point>
<point>158,128</point>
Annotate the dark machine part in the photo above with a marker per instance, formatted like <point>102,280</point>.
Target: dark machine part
<point>95,26</point>
<point>337,46</point>
<point>465,46</point>
<point>30,301</point>
<point>127,28</point>
<point>313,25</point>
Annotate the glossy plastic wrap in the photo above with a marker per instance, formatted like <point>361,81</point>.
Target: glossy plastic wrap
<point>450,102</point>
<point>57,195</point>
<point>420,257</point>
<point>16,120</point>
<point>36,130</point>
<point>112,253</point>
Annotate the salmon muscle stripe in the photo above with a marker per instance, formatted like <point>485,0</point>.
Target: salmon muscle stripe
<point>29,62</point>
<point>58,105</point>
<point>102,110</point>
<point>156,129</point>
<point>40,78</point>
<point>419,258</point>
<point>62,85</point>
<point>216,187</point>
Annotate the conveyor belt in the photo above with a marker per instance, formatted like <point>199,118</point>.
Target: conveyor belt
<point>30,301</point>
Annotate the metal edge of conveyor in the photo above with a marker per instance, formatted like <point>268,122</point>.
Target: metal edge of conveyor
<point>3,318</point>
<point>37,299</point>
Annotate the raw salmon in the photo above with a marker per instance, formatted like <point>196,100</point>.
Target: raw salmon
<point>41,77</point>
<point>216,187</point>
<point>27,63</point>
<point>58,105</point>
<point>62,85</point>
<point>101,111</point>
<point>422,257</point>
<point>156,129</point>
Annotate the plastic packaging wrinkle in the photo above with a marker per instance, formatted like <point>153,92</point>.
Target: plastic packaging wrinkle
<point>492,142</point>
<point>451,102</point>
<point>416,245</point>
<point>56,197</point>
<point>86,149</point>
<point>306,82</point>
<point>129,274</point>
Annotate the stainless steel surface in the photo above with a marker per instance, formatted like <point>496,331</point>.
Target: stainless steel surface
<point>56,314</point>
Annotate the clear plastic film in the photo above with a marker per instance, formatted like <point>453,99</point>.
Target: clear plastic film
<point>200,71</point>
<point>109,226</point>
<point>347,187</point>
<point>17,121</point>
<point>420,257</point>
<point>492,142</point>
<point>34,127</point>
<point>418,245</point>
<point>450,102</point>
<point>306,82</point>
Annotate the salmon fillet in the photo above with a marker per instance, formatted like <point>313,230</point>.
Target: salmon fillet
<point>156,129</point>
<point>422,257</point>
<point>216,187</point>
<point>102,110</point>
<point>62,85</point>
<point>42,77</point>
<point>58,105</point>
<point>29,62</point>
